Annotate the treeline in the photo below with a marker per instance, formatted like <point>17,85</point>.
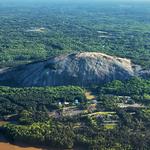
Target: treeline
<point>50,94</point>
<point>137,88</point>
<point>134,86</point>
<point>48,133</point>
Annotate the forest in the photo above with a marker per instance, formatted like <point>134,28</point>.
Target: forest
<point>106,126</point>
<point>34,32</point>
<point>14,100</point>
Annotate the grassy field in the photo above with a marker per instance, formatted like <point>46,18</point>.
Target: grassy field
<point>110,126</point>
<point>102,113</point>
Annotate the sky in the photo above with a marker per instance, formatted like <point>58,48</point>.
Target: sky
<point>70,1</point>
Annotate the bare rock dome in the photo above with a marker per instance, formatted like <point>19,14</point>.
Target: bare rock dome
<point>82,69</point>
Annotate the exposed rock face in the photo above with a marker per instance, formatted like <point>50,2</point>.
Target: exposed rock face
<point>75,69</point>
<point>144,74</point>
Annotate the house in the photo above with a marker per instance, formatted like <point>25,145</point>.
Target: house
<point>94,101</point>
<point>60,104</point>
<point>76,101</point>
<point>66,103</point>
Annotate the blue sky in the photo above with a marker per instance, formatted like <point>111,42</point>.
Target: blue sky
<point>85,0</point>
<point>81,1</point>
